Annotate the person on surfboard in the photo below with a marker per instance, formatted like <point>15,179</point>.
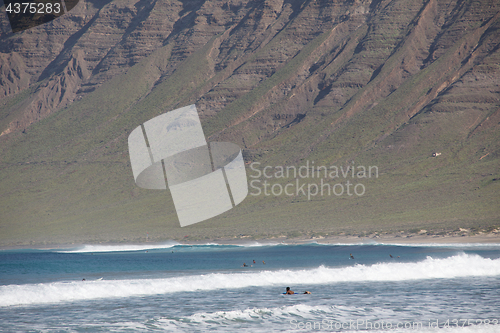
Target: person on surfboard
<point>290,292</point>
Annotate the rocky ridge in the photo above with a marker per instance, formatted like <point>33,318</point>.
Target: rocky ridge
<point>381,81</point>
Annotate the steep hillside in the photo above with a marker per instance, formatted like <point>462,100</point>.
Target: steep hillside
<point>353,84</point>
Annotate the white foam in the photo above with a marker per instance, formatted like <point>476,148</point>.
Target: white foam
<point>144,247</point>
<point>265,315</point>
<point>296,317</point>
<point>257,244</point>
<point>463,265</point>
<point>119,248</point>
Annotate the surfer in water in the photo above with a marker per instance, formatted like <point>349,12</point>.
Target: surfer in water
<point>291,292</point>
<point>352,257</point>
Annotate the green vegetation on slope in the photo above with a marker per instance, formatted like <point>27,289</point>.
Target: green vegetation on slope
<point>67,178</point>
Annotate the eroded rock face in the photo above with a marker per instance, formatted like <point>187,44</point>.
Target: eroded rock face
<point>293,56</point>
<point>380,82</point>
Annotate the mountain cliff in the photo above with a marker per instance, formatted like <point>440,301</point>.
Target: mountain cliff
<point>411,87</point>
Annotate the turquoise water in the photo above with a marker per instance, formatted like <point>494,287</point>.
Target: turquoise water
<point>182,288</point>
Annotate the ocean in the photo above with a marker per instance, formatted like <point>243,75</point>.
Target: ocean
<point>199,288</point>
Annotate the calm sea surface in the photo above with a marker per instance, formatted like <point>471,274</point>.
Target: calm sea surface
<point>200,288</point>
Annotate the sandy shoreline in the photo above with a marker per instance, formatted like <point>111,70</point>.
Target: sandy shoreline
<point>384,239</point>
<point>482,238</point>
<point>411,239</point>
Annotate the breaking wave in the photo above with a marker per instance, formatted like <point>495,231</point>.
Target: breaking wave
<point>302,317</point>
<point>118,248</point>
<point>463,265</point>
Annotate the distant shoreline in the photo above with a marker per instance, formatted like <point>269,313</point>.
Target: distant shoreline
<point>389,239</point>
<point>490,238</point>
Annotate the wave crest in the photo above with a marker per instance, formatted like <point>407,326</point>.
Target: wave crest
<point>463,265</point>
